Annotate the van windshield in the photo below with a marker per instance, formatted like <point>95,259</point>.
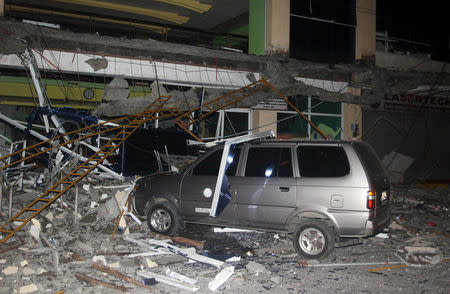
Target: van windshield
<point>370,160</point>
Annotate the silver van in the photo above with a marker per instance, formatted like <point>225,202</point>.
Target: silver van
<point>317,191</point>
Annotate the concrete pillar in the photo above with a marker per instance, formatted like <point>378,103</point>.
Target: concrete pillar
<point>2,7</point>
<point>352,118</point>
<point>262,117</point>
<point>366,28</point>
<point>269,27</point>
<point>277,27</point>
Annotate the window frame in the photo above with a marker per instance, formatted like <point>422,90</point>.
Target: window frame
<point>321,145</point>
<point>190,169</point>
<point>309,113</point>
<point>244,156</point>
<point>222,119</point>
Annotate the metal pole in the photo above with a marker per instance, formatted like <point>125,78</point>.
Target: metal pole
<point>76,204</point>
<point>10,200</point>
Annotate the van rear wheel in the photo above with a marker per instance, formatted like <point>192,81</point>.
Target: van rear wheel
<point>314,239</point>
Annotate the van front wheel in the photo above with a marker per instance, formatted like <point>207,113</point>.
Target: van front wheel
<point>163,218</point>
<point>314,239</point>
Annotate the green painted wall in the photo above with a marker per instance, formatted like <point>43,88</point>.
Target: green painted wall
<point>257,19</point>
<point>17,91</point>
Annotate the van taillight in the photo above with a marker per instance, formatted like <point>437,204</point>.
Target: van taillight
<point>371,199</point>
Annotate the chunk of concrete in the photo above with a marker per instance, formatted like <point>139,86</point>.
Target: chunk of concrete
<point>28,271</point>
<point>28,289</point>
<point>100,259</point>
<point>116,90</point>
<point>86,187</point>
<point>114,265</point>
<point>396,164</point>
<point>34,232</point>
<point>97,63</point>
<point>256,268</point>
<point>24,263</point>
<point>109,210</point>
<point>94,204</point>
<point>419,256</point>
<point>84,247</point>
<point>276,279</point>
<point>49,216</point>
<point>10,270</point>
<point>150,263</point>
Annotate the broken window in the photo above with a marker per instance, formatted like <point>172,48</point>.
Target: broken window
<point>235,123</point>
<point>322,161</point>
<point>226,123</point>
<point>209,166</point>
<point>327,116</point>
<point>269,162</point>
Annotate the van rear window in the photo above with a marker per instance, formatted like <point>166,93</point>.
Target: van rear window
<point>322,161</point>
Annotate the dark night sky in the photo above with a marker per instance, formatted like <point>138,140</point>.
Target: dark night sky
<point>421,21</point>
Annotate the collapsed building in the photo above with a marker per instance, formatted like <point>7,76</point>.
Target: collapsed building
<point>204,74</point>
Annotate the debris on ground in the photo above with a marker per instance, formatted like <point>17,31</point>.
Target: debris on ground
<point>58,251</point>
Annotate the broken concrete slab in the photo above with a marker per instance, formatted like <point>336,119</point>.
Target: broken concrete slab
<point>100,259</point>
<point>256,268</point>
<point>150,263</point>
<point>107,211</point>
<point>83,247</point>
<point>28,289</point>
<point>396,165</point>
<point>28,271</point>
<point>97,63</point>
<point>419,256</point>
<point>116,90</point>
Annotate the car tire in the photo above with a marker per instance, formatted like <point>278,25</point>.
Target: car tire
<point>163,218</point>
<point>314,239</point>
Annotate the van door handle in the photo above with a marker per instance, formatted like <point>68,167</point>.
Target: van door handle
<point>284,189</point>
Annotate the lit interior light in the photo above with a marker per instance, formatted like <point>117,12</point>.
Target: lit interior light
<point>230,159</point>
<point>268,172</point>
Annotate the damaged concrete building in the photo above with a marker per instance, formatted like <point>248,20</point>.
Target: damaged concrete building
<point>306,70</point>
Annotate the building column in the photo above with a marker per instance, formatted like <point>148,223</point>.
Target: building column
<point>269,23</point>
<point>365,29</point>
<point>277,27</point>
<point>2,7</point>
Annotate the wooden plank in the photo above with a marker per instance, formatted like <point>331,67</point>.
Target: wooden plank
<point>119,275</point>
<point>93,281</point>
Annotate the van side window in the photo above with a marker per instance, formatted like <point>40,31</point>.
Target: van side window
<point>211,164</point>
<point>269,162</point>
<point>322,161</point>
